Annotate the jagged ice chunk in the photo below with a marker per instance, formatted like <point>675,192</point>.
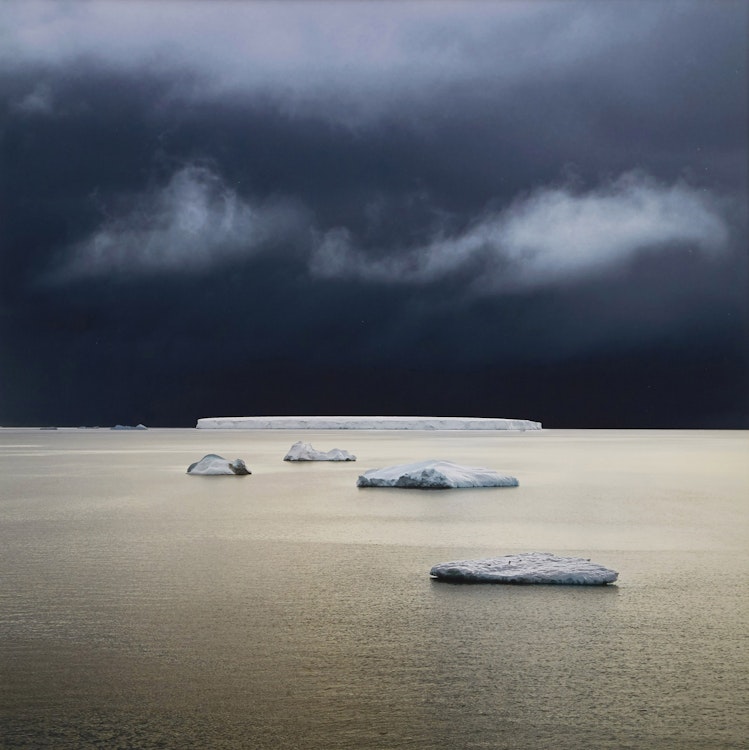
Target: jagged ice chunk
<point>435,474</point>
<point>214,465</point>
<point>301,451</point>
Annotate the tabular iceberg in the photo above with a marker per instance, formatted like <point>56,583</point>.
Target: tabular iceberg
<point>213,465</point>
<point>301,451</point>
<point>365,423</point>
<point>528,567</point>
<point>434,474</point>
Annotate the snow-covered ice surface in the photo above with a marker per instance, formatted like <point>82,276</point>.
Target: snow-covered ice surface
<point>434,474</point>
<point>301,451</point>
<point>365,423</point>
<point>527,567</point>
<point>212,465</point>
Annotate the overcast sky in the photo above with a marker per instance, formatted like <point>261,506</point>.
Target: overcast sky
<point>517,209</point>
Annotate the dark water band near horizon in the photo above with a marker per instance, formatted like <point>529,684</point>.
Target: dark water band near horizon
<point>144,608</point>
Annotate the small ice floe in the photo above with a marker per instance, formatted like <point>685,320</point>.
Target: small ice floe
<point>305,452</point>
<point>527,567</point>
<point>213,465</point>
<point>434,474</point>
<point>129,427</point>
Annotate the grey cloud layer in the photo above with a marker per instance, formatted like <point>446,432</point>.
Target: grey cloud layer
<point>352,61</point>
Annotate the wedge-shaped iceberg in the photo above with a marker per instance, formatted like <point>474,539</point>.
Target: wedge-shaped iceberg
<point>301,451</point>
<point>433,474</point>
<point>527,567</point>
<point>213,465</point>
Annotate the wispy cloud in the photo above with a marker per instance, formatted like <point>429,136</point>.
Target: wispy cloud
<point>553,235</point>
<point>186,225</point>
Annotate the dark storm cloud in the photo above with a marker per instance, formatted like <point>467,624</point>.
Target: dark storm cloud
<point>285,199</point>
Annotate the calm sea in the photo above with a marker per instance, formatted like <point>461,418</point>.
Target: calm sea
<point>144,608</point>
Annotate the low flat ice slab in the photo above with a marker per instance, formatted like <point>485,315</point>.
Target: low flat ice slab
<point>214,465</point>
<point>528,567</point>
<point>301,451</point>
<point>365,423</point>
<point>433,474</point>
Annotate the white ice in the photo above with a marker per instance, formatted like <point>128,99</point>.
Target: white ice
<point>527,567</point>
<point>434,474</point>
<point>301,451</point>
<point>212,465</point>
<point>365,423</point>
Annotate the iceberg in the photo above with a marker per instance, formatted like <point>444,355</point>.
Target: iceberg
<point>434,474</point>
<point>527,567</point>
<point>301,451</point>
<point>129,427</point>
<point>213,465</point>
<point>365,423</point>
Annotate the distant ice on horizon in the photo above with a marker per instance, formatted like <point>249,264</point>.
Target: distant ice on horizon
<point>435,474</point>
<point>526,568</point>
<point>215,465</point>
<point>302,451</point>
<point>365,423</point>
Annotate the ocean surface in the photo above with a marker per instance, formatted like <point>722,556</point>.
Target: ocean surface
<point>144,608</point>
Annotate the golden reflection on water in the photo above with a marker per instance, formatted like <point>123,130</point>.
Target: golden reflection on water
<point>140,607</point>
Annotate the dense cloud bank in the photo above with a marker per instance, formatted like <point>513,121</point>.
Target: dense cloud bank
<point>535,210</point>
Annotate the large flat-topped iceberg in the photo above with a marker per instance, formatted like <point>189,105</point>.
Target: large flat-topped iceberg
<point>365,423</point>
<point>528,567</point>
<point>435,475</point>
